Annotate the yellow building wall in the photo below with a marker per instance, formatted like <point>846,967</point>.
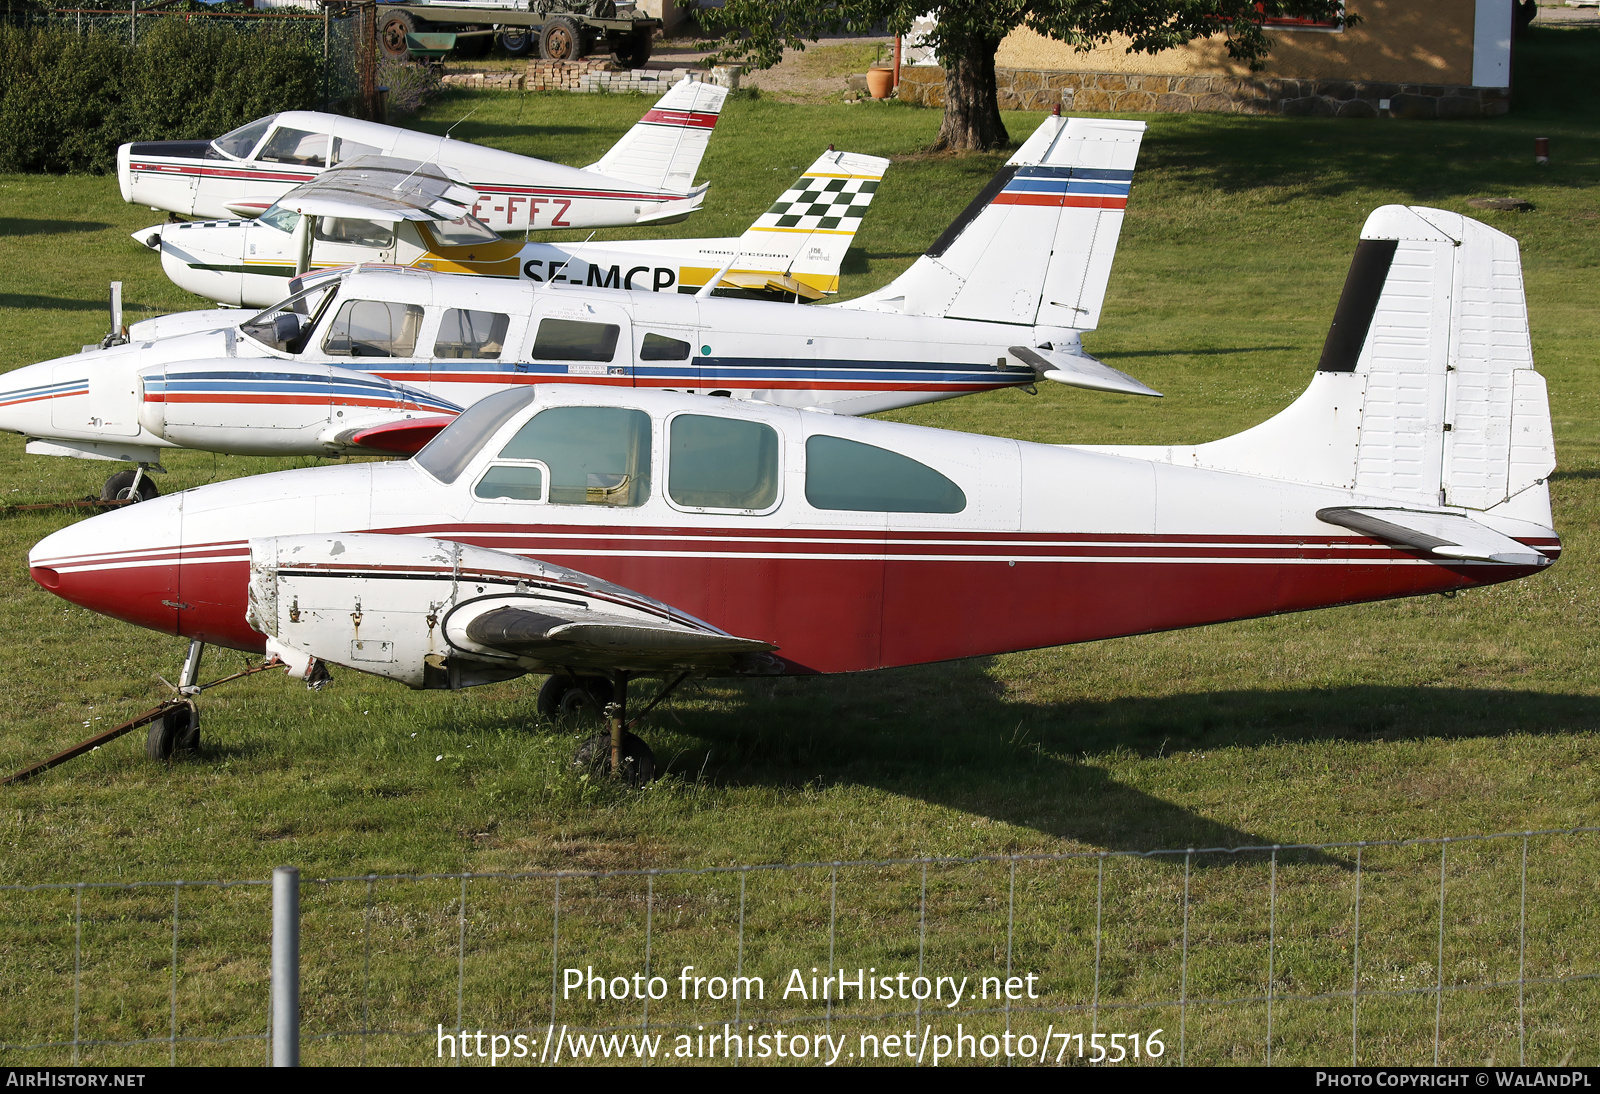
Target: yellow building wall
<point>1397,41</point>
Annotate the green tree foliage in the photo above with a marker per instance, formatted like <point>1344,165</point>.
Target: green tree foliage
<point>969,31</point>
<point>68,99</point>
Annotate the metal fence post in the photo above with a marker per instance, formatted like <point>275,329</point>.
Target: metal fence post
<point>286,967</point>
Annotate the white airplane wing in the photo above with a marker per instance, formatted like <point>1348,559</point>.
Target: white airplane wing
<point>384,188</point>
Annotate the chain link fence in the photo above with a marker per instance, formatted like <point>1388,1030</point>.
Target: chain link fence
<point>1450,950</point>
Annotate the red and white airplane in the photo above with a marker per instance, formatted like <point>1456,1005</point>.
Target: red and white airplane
<point>646,178</point>
<point>597,533</point>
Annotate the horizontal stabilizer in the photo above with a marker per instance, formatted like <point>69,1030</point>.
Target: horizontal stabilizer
<point>1445,535</point>
<point>583,635</point>
<point>1080,370</point>
<point>383,188</point>
<point>782,284</point>
<point>670,212</point>
<point>249,208</point>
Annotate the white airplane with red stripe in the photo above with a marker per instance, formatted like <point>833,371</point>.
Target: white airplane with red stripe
<point>646,178</point>
<point>600,534</point>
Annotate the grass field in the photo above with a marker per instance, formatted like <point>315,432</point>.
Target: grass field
<point>1415,718</point>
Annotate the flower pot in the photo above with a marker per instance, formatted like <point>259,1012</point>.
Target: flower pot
<point>880,81</point>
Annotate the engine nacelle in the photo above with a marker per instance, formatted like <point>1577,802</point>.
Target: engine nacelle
<point>274,408</point>
<point>399,606</point>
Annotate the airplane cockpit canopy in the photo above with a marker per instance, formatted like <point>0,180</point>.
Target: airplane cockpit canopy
<point>286,325</point>
<point>239,143</point>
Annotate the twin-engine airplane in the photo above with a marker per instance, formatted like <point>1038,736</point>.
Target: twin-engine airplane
<point>385,211</point>
<point>599,533</point>
<point>646,178</point>
<point>999,300</point>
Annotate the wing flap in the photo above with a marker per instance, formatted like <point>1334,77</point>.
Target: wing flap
<point>1444,535</point>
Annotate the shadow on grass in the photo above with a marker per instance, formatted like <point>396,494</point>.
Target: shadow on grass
<point>1192,352</point>
<point>27,226</point>
<point>949,735</point>
<point>50,303</point>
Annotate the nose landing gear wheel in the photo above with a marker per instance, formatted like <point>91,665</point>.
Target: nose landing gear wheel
<point>638,761</point>
<point>129,486</point>
<point>177,730</point>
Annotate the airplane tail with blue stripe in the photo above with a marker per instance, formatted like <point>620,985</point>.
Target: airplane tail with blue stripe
<point>1035,248</point>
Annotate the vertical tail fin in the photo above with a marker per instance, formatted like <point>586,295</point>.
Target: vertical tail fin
<point>664,148</point>
<point>1426,393</point>
<point>810,227</point>
<point>1035,248</point>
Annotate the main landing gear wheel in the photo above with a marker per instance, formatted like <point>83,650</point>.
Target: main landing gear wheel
<point>129,486</point>
<point>638,761</point>
<point>177,730</point>
<point>583,698</point>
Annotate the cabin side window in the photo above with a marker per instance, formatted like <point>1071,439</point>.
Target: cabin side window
<point>475,334</point>
<point>346,149</point>
<point>522,481</point>
<point>658,347</point>
<point>570,340</point>
<point>722,463</point>
<point>373,328</point>
<point>858,477</point>
<point>356,233</point>
<point>596,455</point>
<point>296,146</point>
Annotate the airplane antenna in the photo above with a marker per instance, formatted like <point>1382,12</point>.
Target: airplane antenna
<point>705,290</point>
<point>461,119</point>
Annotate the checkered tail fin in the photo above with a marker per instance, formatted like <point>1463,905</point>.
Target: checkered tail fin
<point>1035,247</point>
<point>664,148</point>
<point>810,227</point>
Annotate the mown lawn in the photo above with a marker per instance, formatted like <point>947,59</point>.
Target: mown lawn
<point>1415,718</point>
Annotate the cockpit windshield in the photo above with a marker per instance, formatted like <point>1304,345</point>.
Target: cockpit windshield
<point>280,218</point>
<point>448,454</point>
<point>462,232</point>
<point>242,141</point>
<point>286,325</point>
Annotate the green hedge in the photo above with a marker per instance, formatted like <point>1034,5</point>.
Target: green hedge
<point>68,99</point>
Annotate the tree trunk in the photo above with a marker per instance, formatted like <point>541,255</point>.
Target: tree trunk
<point>971,103</point>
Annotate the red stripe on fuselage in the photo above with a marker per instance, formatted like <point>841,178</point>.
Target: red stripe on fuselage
<point>282,400</point>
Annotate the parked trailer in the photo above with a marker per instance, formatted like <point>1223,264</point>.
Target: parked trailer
<point>562,31</point>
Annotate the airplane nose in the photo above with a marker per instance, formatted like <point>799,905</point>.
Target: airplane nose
<point>123,564</point>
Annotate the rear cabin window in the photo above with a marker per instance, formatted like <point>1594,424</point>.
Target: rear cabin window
<point>849,475</point>
<point>570,340</point>
<point>597,455</point>
<point>658,347</point>
<point>475,334</point>
<point>296,146</point>
<point>722,463</point>
<point>357,233</point>
<point>462,232</point>
<point>373,328</point>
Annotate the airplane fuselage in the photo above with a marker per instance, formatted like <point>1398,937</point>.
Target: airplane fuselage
<point>871,544</point>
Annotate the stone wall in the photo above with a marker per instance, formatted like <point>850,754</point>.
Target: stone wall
<point>1092,92</point>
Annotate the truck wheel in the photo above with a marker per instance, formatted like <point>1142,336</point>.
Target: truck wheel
<point>516,40</point>
<point>633,49</point>
<point>560,40</point>
<point>392,35</point>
